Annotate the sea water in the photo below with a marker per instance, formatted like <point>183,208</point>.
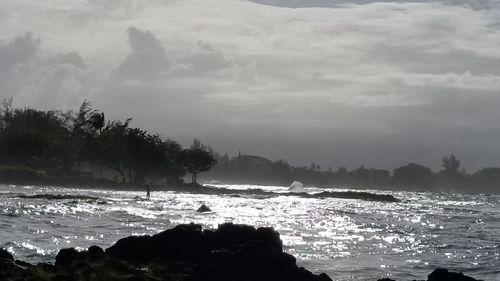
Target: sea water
<point>345,238</point>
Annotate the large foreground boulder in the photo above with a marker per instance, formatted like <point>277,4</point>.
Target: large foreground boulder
<point>441,274</point>
<point>185,252</point>
<point>6,260</point>
<point>231,252</point>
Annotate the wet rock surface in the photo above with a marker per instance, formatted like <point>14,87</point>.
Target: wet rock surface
<point>359,195</point>
<point>203,209</point>
<point>441,274</point>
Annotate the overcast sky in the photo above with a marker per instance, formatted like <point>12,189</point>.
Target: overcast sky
<point>337,82</point>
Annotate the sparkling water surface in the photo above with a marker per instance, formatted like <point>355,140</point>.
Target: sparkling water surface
<point>347,239</point>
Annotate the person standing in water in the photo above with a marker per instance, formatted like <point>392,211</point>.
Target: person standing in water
<point>148,193</point>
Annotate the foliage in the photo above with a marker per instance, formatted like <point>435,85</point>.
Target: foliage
<point>196,160</point>
<point>64,140</point>
<point>412,174</point>
<point>37,144</point>
<point>18,174</point>
<point>171,167</point>
<point>31,135</point>
<point>451,165</point>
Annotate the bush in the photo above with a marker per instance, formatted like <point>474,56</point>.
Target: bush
<point>20,174</point>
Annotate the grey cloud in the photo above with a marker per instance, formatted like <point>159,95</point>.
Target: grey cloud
<point>127,5</point>
<point>17,51</point>
<point>203,59</point>
<point>475,4</point>
<point>147,59</point>
<point>16,59</point>
<point>73,59</point>
<point>41,80</point>
<point>59,86</point>
<point>379,84</point>
<point>415,59</point>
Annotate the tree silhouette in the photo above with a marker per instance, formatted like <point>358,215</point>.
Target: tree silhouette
<point>56,145</point>
<point>451,165</point>
<point>412,174</point>
<point>34,136</point>
<point>171,168</point>
<point>111,146</point>
<point>196,160</point>
<point>143,152</point>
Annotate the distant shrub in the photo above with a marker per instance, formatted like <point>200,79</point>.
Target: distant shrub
<point>20,174</point>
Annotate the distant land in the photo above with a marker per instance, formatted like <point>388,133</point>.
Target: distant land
<point>84,148</point>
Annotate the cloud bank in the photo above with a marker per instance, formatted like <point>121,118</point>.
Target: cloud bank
<point>336,82</point>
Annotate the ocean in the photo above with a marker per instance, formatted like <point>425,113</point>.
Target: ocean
<point>347,239</point>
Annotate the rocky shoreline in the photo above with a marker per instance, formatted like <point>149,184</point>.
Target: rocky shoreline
<point>185,252</point>
<point>359,195</point>
<point>210,190</point>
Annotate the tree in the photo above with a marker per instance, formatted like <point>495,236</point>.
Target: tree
<point>487,178</point>
<point>198,145</point>
<point>281,171</point>
<point>87,127</point>
<point>412,174</point>
<point>196,160</point>
<point>123,149</point>
<point>111,146</point>
<point>451,165</point>
<point>33,134</point>
<point>171,168</point>
<point>143,152</point>
<point>360,175</point>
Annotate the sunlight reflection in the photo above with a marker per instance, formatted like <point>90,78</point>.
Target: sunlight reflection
<point>314,230</point>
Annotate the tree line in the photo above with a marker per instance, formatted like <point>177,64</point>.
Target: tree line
<point>83,144</point>
<point>451,177</point>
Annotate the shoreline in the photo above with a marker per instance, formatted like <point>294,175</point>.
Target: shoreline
<point>208,190</point>
<point>83,182</point>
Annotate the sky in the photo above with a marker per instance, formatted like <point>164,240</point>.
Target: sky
<point>335,82</point>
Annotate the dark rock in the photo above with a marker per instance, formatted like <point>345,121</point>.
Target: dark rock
<point>229,235</point>
<point>259,193</point>
<point>231,252</point>
<point>323,277</point>
<point>441,274</point>
<point>22,263</point>
<point>367,196</point>
<point>203,208</point>
<point>6,256</point>
<point>95,252</point>
<point>66,256</point>
<point>386,279</point>
<point>6,261</point>
<point>185,253</point>
<point>180,241</point>
<point>133,248</point>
